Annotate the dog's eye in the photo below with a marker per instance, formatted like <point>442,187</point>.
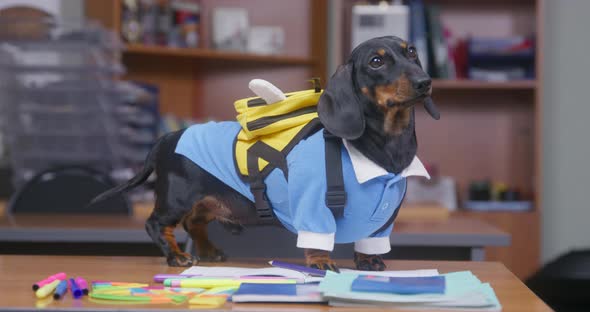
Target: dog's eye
<point>376,62</point>
<point>412,52</point>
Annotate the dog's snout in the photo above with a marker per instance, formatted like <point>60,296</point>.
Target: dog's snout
<point>422,85</point>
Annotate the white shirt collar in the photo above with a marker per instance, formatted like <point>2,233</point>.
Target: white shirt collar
<point>365,169</point>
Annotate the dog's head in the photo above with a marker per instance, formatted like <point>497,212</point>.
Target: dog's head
<point>384,78</point>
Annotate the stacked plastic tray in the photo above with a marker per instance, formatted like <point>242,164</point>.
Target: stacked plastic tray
<point>58,95</point>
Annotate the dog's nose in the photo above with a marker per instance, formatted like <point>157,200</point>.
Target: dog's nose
<point>422,85</point>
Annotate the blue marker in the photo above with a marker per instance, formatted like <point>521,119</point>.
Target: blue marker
<point>76,291</point>
<point>61,290</point>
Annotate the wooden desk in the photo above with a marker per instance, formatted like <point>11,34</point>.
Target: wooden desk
<point>20,272</point>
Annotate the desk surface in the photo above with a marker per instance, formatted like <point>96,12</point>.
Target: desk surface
<point>20,272</point>
<point>455,231</point>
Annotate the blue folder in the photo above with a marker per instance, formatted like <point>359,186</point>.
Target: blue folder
<point>400,285</point>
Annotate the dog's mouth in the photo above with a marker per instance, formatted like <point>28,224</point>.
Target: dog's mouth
<point>409,102</point>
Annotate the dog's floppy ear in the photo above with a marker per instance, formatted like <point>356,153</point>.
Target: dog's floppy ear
<point>339,107</point>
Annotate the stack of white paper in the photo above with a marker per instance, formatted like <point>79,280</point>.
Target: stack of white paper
<point>462,290</point>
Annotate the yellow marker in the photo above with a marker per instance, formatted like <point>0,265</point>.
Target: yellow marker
<point>43,303</point>
<point>47,289</point>
<point>208,301</point>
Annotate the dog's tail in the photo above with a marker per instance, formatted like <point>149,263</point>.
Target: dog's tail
<point>137,180</point>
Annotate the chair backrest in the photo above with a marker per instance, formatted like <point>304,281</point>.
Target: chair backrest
<point>67,190</point>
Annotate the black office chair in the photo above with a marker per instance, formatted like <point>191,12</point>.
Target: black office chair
<point>67,190</point>
<point>564,282</point>
<point>265,241</point>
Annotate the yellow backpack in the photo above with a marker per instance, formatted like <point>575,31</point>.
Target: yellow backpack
<point>269,132</point>
<point>279,125</point>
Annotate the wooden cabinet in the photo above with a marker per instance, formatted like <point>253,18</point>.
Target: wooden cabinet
<point>488,130</point>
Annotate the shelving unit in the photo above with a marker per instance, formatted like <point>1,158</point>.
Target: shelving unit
<point>203,82</point>
<point>492,129</point>
<point>208,55</point>
<point>487,130</point>
<point>464,84</point>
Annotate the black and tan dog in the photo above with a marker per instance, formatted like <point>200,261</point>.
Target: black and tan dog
<point>369,102</point>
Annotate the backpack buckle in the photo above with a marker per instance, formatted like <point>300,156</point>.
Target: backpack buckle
<point>336,200</point>
<point>263,209</point>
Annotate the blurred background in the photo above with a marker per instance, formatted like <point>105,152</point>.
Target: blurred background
<point>87,86</point>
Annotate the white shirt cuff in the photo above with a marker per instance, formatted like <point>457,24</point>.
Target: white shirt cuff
<point>373,245</point>
<point>322,241</point>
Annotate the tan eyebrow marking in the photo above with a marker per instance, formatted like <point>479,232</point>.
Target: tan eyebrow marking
<point>404,45</point>
<point>381,52</point>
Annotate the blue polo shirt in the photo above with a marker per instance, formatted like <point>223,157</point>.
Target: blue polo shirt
<point>299,204</point>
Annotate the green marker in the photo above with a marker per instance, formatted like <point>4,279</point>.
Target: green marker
<point>119,298</point>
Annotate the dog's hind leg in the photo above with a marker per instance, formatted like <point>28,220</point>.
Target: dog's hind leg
<point>162,233</point>
<point>369,262</point>
<point>195,223</point>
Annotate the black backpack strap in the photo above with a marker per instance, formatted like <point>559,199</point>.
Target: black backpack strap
<point>257,186</point>
<point>335,193</point>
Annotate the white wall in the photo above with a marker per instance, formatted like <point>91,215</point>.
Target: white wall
<point>67,9</point>
<point>72,10</point>
<point>566,128</point>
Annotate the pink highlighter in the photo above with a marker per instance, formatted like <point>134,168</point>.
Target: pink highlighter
<point>59,276</point>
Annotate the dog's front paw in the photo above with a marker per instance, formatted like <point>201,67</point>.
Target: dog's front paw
<point>320,259</point>
<point>369,262</point>
<point>326,266</point>
<point>182,260</point>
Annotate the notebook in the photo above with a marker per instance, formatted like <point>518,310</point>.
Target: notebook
<point>278,293</point>
<point>301,277</point>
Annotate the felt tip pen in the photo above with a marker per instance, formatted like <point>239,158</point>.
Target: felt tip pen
<point>213,282</point>
<point>297,267</point>
<point>76,291</point>
<point>168,282</point>
<point>118,284</point>
<point>46,290</point>
<point>49,279</point>
<point>82,285</point>
<point>60,290</point>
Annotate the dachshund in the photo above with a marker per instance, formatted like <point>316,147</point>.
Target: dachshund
<point>368,103</point>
